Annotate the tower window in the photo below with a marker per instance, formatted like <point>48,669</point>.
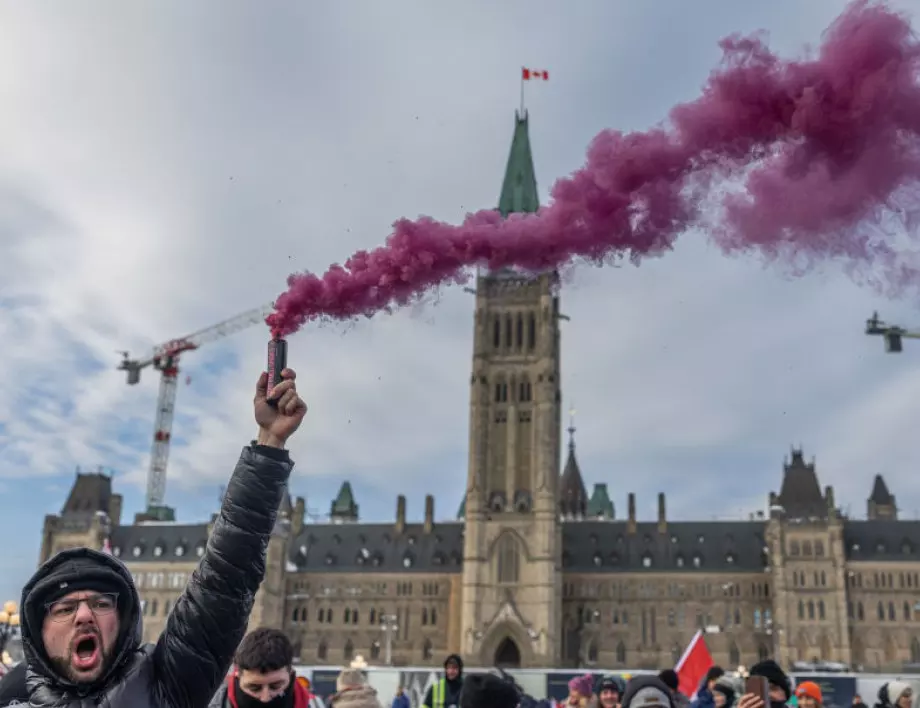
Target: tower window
<point>519,342</point>
<point>508,332</point>
<point>507,559</point>
<point>496,332</point>
<point>531,331</point>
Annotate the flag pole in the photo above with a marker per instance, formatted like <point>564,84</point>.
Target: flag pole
<point>522,93</point>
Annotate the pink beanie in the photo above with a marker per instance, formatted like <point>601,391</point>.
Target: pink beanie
<point>582,685</point>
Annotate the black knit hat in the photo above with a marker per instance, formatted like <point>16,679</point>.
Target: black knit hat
<point>771,671</point>
<point>72,576</point>
<point>726,691</point>
<point>670,679</point>
<point>488,691</point>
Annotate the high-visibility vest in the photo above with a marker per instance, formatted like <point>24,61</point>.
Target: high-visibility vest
<point>438,694</point>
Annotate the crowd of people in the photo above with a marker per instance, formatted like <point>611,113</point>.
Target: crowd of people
<point>81,625</point>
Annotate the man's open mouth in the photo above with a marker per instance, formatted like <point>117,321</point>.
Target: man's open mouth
<point>86,653</point>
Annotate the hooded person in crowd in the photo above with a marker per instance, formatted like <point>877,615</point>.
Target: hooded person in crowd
<point>779,686</point>
<point>647,692</point>
<point>609,690</point>
<point>263,675</point>
<point>81,615</point>
<point>445,692</point>
<point>670,679</point>
<point>723,693</point>
<point>704,697</point>
<point>488,691</point>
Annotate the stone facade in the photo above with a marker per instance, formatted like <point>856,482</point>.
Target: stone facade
<point>535,571</point>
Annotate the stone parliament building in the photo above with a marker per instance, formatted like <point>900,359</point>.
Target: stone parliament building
<point>535,572</point>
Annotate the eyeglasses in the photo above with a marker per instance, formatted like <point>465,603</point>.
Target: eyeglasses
<point>102,604</point>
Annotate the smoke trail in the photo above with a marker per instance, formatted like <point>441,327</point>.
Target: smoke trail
<point>828,150</point>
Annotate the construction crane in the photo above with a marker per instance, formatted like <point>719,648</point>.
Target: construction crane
<point>893,334</point>
<point>165,358</point>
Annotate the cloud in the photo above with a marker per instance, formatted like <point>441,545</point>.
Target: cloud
<point>166,166</point>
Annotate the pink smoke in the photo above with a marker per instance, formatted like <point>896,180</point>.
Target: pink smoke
<point>827,150</point>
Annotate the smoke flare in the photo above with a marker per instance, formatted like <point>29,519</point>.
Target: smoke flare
<point>827,151</point>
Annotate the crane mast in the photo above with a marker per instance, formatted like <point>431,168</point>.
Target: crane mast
<point>165,359</point>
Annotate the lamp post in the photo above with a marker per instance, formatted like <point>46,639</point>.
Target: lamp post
<point>388,623</point>
<point>9,624</point>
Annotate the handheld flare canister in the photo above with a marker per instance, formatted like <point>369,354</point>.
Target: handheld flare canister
<point>277,362</point>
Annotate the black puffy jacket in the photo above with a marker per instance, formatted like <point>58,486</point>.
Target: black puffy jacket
<point>193,655</point>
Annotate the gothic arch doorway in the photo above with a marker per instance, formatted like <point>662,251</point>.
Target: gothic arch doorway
<point>507,655</point>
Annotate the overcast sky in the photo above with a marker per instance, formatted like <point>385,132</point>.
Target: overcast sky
<point>164,165</point>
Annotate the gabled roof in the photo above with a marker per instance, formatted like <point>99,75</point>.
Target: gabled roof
<point>800,495</point>
<point>519,189</point>
<point>880,493</point>
<point>344,506</point>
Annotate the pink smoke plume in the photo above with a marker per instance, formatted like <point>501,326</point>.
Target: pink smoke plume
<point>827,151</point>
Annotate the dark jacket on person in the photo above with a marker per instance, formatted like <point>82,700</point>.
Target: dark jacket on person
<point>13,690</point>
<point>193,654</point>
<point>445,693</point>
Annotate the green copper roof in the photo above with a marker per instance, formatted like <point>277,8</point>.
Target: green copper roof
<point>461,512</point>
<point>600,506</point>
<point>344,505</point>
<point>519,190</point>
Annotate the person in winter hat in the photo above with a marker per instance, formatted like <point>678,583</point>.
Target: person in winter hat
<point>488,691</point>
<point>609,690</point>
<point>446,691</point>
<point>670,679</point>
<point>723,694</point>
<point>81,617</point>
<point>581,689</point>
<point>263,675</point>
<point>899,694</point>
<point>808,695</point>
<point>353,691</point>
<point>780,687</point>
<point>647,692</point>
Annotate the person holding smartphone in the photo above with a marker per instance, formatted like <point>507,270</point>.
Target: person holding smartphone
<point>767,686</point>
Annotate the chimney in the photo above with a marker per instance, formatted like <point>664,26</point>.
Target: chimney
<point>115,504</point>
<point>829,498</point>
<point>631,522</point>
<point>299,516</point>
<point>429,513</point>
<point>400,514</point>
<point>662,515</point>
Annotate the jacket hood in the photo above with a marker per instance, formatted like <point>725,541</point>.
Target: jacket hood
<point>77,563</point>
<point>456,659</point>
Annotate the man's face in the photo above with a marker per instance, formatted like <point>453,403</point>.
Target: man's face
<point>609,698</point>
<point>265,686</point>
<point>79,634</point>
<point>451,671</point>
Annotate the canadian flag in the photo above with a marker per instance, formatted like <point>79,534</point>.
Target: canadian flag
<point>693,665</point>
<point>534,74</point>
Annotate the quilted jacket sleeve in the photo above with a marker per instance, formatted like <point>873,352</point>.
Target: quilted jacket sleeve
<point>194,652</point>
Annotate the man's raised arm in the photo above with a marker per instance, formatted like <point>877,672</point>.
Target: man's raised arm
<point>194,653</point>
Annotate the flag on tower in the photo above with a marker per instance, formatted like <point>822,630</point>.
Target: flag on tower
<point>693,665</point>
<point>534,74</point>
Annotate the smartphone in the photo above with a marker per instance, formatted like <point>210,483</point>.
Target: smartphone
<point>759,686</point>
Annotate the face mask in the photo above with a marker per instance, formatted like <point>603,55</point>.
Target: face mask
<point>285,700</point>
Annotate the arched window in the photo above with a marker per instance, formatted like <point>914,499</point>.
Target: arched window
<point>424,616</point>
<point>801,610</point>
<point>907,613</point>
<point>891,613</point>
<point>794,548</point>
<point>375,650</point>
<point>915,650</point>
<point>811,610</point>
<point>507,559</point>
<point>322,651</point>
<point>821,609</point>
<point>819,548</point>
<point>531,331</point>
<point>592,653</point>
<point>806,548</point>
<point>860,611</point>
<point>496,332</point>
<point>734,656</point>
<point>881,610</point>
<point>427,650</point>
<point>519,339</point>
<point>621,653</point>
<point>763,653</point>
<point>509,341</point>
<point>348,653</point>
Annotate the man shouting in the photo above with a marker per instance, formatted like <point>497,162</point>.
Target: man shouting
<point>81,614</point>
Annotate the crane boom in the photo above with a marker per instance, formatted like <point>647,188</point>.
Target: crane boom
<point>165,358</point>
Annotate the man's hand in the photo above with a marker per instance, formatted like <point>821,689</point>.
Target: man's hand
<point>278,422</point>
<point>750,700</point>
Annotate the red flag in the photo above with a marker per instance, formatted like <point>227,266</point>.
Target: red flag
<point>693,665</point>
<point>534,74</point>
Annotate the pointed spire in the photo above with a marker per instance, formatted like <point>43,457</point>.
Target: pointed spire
<point>573,497</point>
<point>344,507</point>
<point>881,503</point>
<point>880,493</point>
<point>800,494</point>
<point>519,189</point>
